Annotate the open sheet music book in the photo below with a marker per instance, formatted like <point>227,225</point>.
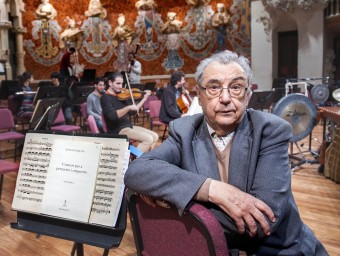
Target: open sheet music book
<point>76,177</point>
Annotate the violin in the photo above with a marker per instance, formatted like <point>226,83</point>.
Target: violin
<point>136,94</point>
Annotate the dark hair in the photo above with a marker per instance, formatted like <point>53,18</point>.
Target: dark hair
<point>99,79</point>
<point>112,77</point>
<point>24,77</point>
<point>55,75</point>
<point>176,77</point>
<point>133,54</point>
<point>72,49</point>
<point>71,80</point>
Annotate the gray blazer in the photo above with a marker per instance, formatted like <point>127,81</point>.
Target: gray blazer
<point>259,165</point>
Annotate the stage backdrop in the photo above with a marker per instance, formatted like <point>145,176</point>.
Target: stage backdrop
<point>166,35</point>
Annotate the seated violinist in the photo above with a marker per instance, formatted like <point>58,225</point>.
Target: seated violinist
<point>170,110</point>
<point>116,115</point>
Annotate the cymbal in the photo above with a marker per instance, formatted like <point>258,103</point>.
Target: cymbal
<point>320,93</point>
<point>300,112</point>
<point>336,94</point>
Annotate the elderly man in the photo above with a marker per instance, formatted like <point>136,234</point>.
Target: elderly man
<point>233,160</point>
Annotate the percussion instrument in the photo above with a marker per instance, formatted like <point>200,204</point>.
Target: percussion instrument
<point>299,111</point>
<point>332,153</point>
<point>320,93</point>
<point>336,94</point>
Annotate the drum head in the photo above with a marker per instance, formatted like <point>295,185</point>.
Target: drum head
<point>320,93</point>
<point>300,112</point>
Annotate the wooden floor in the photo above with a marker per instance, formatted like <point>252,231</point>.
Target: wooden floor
<point>317,197</point>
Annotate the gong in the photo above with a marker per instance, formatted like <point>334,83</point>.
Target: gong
<point>299,111</point>
<point>320,93</point>
<point>336,94</point>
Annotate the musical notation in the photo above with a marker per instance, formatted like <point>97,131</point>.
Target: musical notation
<point>37,164</point>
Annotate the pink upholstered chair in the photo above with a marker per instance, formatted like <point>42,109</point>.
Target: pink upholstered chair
<point>146,107</point>
<point>84,116</point>
<point>6,167</point>
<point>59,124</point>
<point>13,107</point>
<point>92,124</point>
<point>155,108</point>
<point>104,123</point>
<point>7,129</point>
<point>159,230</point>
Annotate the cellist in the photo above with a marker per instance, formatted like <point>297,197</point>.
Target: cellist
<point>169,108</point>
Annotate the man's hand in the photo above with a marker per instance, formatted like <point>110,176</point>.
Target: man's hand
<point>147,94</point>
<point>243,208</point>
<point>133,107</point>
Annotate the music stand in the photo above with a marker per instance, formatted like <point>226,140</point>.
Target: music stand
<point>278,94</point>
<point>261,100</point>
<point>45,113</point>
<point>9,87</point>
<point>89,75</point>
<point>80,94</point>
<point>48,92</point>
<point>45,83</point>
<point>149,86</point>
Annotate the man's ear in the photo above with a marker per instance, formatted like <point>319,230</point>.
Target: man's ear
<point>198,94</point>
<point>248,96</point>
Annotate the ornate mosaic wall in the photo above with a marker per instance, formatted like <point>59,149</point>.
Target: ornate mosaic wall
<point>167,35</point>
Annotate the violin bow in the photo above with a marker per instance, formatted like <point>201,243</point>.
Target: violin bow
<point>129,87</point>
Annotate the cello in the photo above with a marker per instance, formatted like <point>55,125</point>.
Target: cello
<point>184,101</point>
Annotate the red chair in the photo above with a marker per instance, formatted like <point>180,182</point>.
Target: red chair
<point>104,123</point>
<point>155,108</point>
<point>7,124</point>
<point>84,115</point>
<point>59,124</point>
<point>159,230</point>
<point>6,167</point>
<point>13,107</point>
<point>146,107</point>
<point>92,124</point>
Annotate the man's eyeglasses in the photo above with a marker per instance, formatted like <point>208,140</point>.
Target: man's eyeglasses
<point>235,91</point>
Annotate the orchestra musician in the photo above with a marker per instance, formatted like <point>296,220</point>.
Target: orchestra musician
<point>169,107</point>
<point>24,100</point>
<point>116,115</point>
<point>134,70</point>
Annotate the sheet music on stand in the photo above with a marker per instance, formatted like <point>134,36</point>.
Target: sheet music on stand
<point>60,173</point>
<point>45,113</point>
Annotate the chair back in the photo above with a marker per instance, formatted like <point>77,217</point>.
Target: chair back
<point>60,117</point>
<point>103,123</point>
<point>159,230</point>
<point>146,104</point>
<point>7,120</point>
<point>12,105</point>
<point>83,110</point>
<point>155,108</point>
<point>92,124</point>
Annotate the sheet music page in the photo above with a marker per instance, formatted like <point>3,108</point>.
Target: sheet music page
<point>110,180</point>
<point>71,180</point>
<point>34,164</point>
